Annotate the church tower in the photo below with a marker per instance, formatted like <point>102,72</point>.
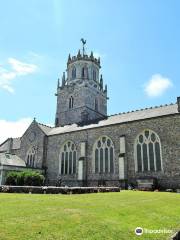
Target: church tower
<point>81,97</point>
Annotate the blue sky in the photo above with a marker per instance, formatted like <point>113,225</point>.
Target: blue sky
<point>138,42</point>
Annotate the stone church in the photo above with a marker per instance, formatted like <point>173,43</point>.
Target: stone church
<point>89,148</point>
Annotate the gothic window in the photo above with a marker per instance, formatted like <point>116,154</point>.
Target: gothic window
<point>94,75</point>
<point>103,152</point>
<point>68,158</point>
<point>84,73</point>
<point>71,102</point>
<point>31,157</point>
<point>57,121</point>
<point>73,73</point>
<point>148,152</point>
<point>96,104</point>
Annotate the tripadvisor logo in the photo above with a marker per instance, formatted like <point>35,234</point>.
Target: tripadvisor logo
<point>138,231</point>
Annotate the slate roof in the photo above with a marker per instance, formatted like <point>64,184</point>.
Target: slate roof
<point>4,146</point>
<point>15,145</point>
<point>121,118</point>
<point>11,160</point>
<point>17,141</point>
<point>46,129</point>
<point>111,120</point>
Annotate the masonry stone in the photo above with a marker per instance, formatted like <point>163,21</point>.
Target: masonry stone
<point>81,92</point>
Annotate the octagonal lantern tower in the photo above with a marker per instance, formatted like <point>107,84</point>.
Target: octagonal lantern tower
<point>81,97</point>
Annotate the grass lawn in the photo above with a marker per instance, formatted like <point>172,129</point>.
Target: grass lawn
<point>88,216</point>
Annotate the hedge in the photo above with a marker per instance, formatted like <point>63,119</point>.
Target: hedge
<point>56,190</point>
<point>25,178</point>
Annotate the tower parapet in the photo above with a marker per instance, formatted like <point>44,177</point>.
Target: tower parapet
<point>84,57</point>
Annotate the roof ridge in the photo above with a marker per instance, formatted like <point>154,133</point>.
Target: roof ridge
<point>142,109</point>
<point>44,125</point>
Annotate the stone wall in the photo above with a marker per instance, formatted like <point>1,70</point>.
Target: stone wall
<point>33,137</point>
<point>84,91</point>
<point>84,94</point>
<point>167,128</point>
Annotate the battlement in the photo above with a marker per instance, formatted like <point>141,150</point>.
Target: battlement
<point>84,57</point>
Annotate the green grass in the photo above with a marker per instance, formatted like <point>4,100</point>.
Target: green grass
<point>88,216</point>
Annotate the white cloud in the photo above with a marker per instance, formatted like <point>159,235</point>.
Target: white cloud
<point>17,68</point>
<point>13,129</point>
<point>21,68</point>
<point>157,85</point>
<point>8,88</point>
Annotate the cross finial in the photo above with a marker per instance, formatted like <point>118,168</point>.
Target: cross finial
<point>83,42</point>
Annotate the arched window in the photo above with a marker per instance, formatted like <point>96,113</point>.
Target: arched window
<point>31,157</point>
<point>71,102</point>
<point>103,153</point>
<point>84,73</point>
<point>68,156</point>
<point>96,104</point>
<point>148,155</point>
<point>94,75</point>
<point>73,73</point>
<point>57,121</point>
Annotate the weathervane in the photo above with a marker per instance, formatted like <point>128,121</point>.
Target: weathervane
<point>83,42</point>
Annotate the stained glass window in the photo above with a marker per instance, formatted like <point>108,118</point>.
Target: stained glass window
<point>103,155</point>
<point>68,158</point>
<point>31,157</point>
<point>148,152</point>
